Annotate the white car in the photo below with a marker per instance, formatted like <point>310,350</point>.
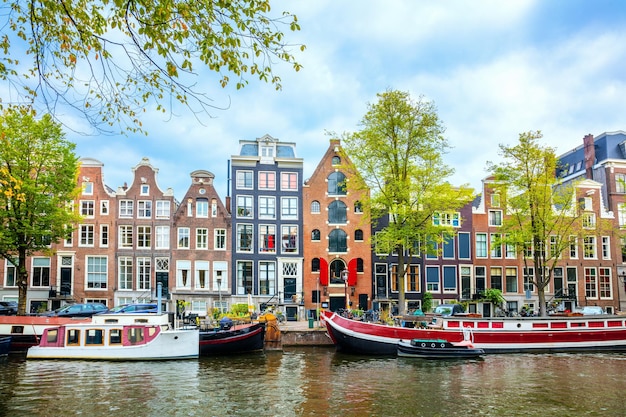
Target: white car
<point>591,310</point>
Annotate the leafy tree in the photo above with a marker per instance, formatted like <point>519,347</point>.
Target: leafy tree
<point>38,180</point>
<point>543,215</point>
<point>109,59</point>
<point>398,154</point>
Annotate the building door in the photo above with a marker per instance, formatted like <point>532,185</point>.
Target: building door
<point>290,289</point>
<point>66,282</point>
<point>163,278</point>
<point>363,302</point>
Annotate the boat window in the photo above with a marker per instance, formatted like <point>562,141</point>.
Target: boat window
<point>73,336</point>
<point>152,331</point>
<point>17,329</point>
<point>52,336</point>
<point>115,336</point>
<point>135,335</point>
<point>93,337</point>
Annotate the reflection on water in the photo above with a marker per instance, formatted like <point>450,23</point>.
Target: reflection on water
<point>318,382</point>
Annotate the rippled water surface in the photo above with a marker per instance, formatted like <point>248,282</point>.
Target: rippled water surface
<point>318,382</point>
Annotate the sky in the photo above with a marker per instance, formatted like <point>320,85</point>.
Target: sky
<point>493,69</point>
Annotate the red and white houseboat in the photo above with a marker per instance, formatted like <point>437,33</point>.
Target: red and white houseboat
<point>123,337</point>
<point>26,331</point>
<point>493,335</point>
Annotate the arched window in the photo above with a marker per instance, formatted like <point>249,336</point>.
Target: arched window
<point>336,267</point>
<point>337,212</point>
<point>358,234</point>
<point>359,265</point>
<point>315,265</point>
<point>336,184</point>
<point>337,241</point>
<point>315,234</point>
<point>315,206</point>
<point>336,160</point>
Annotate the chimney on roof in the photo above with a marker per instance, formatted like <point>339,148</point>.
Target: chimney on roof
<point>590,155</point>
<point>228,204</point>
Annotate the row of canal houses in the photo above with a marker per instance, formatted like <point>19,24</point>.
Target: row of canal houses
<point>278,240</point>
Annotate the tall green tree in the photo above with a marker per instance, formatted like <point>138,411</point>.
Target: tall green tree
<point>38,181</point>
<point>110,59</point>
<point>398,154</point>
<point>543,215</point>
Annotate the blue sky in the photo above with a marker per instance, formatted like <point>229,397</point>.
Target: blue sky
<point>494,69</point>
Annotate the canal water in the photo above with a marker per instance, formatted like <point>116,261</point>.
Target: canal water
<point>318,382</point>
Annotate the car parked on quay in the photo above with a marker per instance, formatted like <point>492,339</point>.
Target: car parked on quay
<point>78,310</point>
<point>134,308</point>
<point>8,308</point>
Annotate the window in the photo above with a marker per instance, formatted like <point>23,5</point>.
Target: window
<point>315,207</point>
<point>97,272</point>
<point>144,189</point>
<point>202,275</point>
<point>244,238</point>
<point>591,283</point>
<point>289,208</point>
<point>315,265</point>
<point>267,207</point>
<point>267,238</point>
<point>337,241</point>
<point>10,277</point>
<point>529,275</point>
<point>315,235</point>
<point>144,209</point>
<point>244,180</point>
<point>126,237</point>
<point>183,238</point>
<point>213,208</point>
<point>449,279</point>
<point>162,209</point>
<point>589,220</point>
<point>87,208</point>
<point>267,180</point>
<point>244,206</point>
<point>573,247</point>
<point>289,239</point>
<point>219,239</point>
<point>183,274</point>
<point>337,184</point>
<point>481,245</point>
<point>464,245</point>
<point>496,245</point>
<point>244,277</point>
<point>604,282</point>
<point>495,218</point>
<point>606,247</point>
<point>202,238</point>
<point>144,234</point>
<point>589,247</point>
<point>358,235</point>
<point>202,208</point>
<point>336,160</point>
<point>511,280</point>
<point>432,279</point>
<point>289,181</point>
<point>452,219</point>
<point>86,235</point>
<point>448,248</point>
<point>41,272</point>
<point>87,188</point>
<point>104,207</point>
<point>496,278</point>
<point>480,273</point>
<point>358,207</point>
<point>104,235</point>
<point>125,272</point>
<point>359,265</point>
<point>144,269</point>
<point>337,212</point>
<point>126,208</point>
<point>495,200</point>
<point>162,237</point>
<point>267,278</point>
<point>620,183</point>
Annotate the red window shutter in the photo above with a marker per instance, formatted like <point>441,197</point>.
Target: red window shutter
<point>323,272</point>
<point>352,272</point>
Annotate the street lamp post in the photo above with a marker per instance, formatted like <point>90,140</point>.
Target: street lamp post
<point>219,291</point>
<point>344,276</point>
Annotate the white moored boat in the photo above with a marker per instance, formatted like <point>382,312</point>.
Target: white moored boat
<point>146,336</point>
